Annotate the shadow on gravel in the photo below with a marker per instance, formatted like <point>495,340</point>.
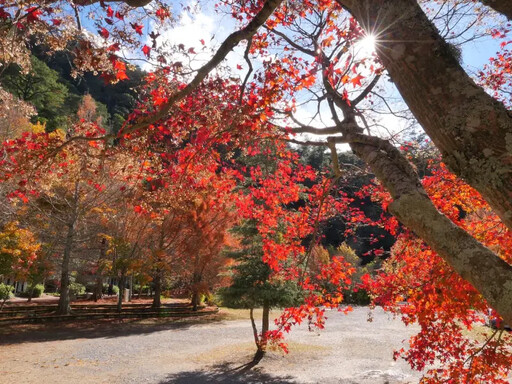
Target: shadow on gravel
<point>92,329</point>
<point>225,374</point>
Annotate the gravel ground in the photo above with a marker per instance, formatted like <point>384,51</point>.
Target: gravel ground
<point>349,351</point>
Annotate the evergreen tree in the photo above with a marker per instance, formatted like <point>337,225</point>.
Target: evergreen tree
<point>253,285</point>
<point>40,87</point>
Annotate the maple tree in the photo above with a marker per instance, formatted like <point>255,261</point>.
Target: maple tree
<point>18,250</point>
<point>58,191</point>
<point>186,117</point>
<point>445,306</point>
<point>206,228</point>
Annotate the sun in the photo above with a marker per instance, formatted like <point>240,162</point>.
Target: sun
<point>367,44</point>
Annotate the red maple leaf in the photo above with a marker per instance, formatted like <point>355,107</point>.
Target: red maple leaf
<point>33,14</point>
<point>104,33</point>
<point>356,81</point>
<point>146,50</point>
<point>137,28</point>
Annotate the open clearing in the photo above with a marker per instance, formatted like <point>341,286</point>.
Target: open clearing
<point>350,350</point>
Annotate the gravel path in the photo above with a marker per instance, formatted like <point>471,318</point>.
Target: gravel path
<point>349,351</point>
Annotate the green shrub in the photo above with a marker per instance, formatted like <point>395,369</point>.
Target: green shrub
<point>136,288</point>
<point>37,290</point>
<point>115,289</point>
<point>6,292</point>
<point>33,291</point>
<point>76,289</point>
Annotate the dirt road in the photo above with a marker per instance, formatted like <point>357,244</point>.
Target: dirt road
<point>350,350</point>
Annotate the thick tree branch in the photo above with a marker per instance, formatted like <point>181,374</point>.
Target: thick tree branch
<point>131,3</point>
<point>472,130</point>
<point>315,131</point>
<point>227,46</point>
<point>502,6</point>
<point>308,142</point>
<point>474,262</point>
<point>248,61</point>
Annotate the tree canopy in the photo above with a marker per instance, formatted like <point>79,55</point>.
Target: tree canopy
<point>175,148</point>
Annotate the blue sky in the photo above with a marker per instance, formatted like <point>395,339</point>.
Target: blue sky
<point>204,23</point>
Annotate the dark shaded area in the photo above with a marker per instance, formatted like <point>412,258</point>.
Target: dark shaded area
<point>224,373</point>
<point>93,329</point>
<point>364,238</point>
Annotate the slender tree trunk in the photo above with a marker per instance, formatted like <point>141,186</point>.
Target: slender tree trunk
<point>260,340</point>
<point>122,283</point>
<point>158,291</point>
<point>63,307</point>
<point>196,295</point>
<point>139,294</point>
<point>254,328</point>
<point>265,322</point>
<point>472,130</point>
<point>98,287</point>
<point>130,287</point>
<point>260,352</point>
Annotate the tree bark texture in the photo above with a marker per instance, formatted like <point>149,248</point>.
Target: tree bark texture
<point>63,307</point>
<point>98,286</point>
<point>502,6</point>
<point>472,130</point>
<point>474,262</point>
<point>122,284</point>
<point>196,295</point>
<point>158,291</point>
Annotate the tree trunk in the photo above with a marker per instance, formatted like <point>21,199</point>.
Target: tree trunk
<point>472,130</point>
<point>63,307</point>
<point>130,287</point>
<point>502,6</point>
<point>139,294</point>
<point>477,264</point>
<point>260,352</point>
<point>158,291</point>
<point>196,295</point>
<point>98,287</point>
<point>122,283</point>
<point>265,324</point>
